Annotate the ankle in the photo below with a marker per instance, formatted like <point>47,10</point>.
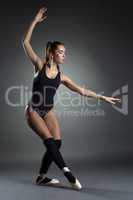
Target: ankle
<point>42,175</point>
<point>66,169</point>
<point>68,174</point>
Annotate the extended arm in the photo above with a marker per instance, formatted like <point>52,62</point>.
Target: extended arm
<point>35,59</point>
<point>85,92</point>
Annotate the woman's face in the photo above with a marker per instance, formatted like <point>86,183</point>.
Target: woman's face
<point>59,55</point>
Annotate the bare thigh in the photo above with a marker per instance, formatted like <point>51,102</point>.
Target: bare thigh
<point>37,124</point>
<point>53,124</point>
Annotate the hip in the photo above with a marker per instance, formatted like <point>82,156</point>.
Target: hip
<point>41,110</point>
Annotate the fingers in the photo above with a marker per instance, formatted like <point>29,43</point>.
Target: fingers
<point>113,100</point>
<point>41,14</point>
<point>43,9</point>
<point>43,18</point>
<point>116,99</point>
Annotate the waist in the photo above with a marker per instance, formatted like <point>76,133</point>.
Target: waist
<point>41,104</point>
<point>40,110</point>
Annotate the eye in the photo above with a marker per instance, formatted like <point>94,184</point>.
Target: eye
<point>61,52</point>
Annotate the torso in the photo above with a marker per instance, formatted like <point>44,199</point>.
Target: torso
<point>45,79</point>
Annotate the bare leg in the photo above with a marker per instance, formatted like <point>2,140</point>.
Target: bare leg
<point>53,124</point>
<point>37,124</point>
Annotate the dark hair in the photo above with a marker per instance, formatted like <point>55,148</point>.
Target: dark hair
<point>51,47</point>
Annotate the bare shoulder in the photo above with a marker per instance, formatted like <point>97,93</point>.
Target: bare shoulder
<point>65,78</point>
<point>39,65</point>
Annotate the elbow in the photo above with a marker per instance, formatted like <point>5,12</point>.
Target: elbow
<point>81,92</point>
<point>24,41</point>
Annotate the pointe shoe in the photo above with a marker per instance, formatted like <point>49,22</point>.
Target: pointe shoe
<point>76,185</point>
<point>53,182</point>
<point>47,181</point>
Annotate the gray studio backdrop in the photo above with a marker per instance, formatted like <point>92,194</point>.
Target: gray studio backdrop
<point>98,40</point>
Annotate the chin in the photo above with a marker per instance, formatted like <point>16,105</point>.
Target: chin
<point>61,62</point>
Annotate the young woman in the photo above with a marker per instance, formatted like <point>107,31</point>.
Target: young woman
<point>39,110</point>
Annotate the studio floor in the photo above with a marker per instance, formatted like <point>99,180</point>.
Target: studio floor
<point>99,181</point>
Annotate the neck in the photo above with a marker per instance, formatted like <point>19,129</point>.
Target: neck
<point>53,66</point>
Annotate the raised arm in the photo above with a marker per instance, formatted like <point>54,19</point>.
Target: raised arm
<point>35,59</point>
<point>65,80</point>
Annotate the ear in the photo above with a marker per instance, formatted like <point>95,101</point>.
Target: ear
<point>51,55</point>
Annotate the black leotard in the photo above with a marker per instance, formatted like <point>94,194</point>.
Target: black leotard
<point>43,92</point>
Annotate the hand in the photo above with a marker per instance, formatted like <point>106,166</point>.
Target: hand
<point>41,15</point>
<point>112,100</point>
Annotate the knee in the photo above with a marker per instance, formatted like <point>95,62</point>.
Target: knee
<point>58,143</point>
<point>51,140</point>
